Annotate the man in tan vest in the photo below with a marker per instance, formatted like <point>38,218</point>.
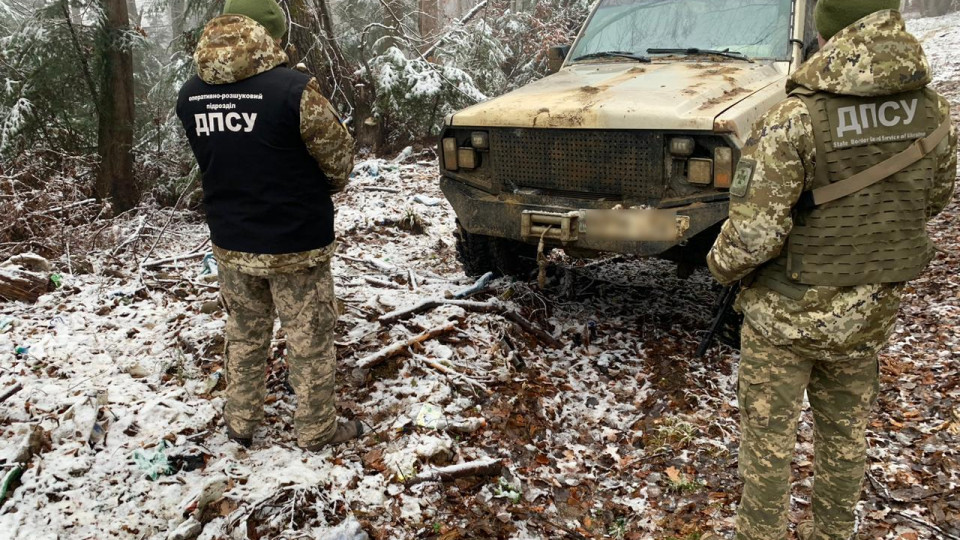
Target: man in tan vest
<point>827,221</point>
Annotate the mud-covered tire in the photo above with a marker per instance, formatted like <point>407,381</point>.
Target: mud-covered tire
<point>473,250</point>
<point>480,254</point>
<point>513,258</point>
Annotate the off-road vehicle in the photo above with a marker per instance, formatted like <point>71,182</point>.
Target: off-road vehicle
<point>630,145</point>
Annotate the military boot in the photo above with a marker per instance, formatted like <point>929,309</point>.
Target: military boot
<point>345,431</point>
<point>244,441</point>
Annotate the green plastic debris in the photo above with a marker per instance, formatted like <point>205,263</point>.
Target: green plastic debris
<point>153,463</point>
<point>57,280</point>
<point>8,480</point>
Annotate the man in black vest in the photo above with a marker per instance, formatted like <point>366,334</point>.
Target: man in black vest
<point>272,151</point>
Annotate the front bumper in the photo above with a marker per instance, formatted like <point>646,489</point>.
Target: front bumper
<point>582,224</point>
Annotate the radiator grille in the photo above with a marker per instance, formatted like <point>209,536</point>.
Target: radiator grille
<point>580,161</point>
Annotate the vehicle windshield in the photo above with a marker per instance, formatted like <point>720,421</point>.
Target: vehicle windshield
<point>755,28</point>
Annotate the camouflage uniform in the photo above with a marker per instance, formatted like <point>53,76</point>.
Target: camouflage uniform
<point>825,343</point>
<point>298,285</point>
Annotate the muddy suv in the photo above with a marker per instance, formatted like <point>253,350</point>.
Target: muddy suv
<point>631,144</point>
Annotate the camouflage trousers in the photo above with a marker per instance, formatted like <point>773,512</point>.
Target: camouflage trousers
<point>771,386</point>
<point>306,305</point>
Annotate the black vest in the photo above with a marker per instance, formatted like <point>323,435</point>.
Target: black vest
<point>262,191</point>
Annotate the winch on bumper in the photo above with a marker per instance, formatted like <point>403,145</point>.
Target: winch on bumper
<point>580,223</point>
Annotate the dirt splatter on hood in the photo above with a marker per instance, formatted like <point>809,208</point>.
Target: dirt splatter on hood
<point>235,47</point>
<point>875,56</point>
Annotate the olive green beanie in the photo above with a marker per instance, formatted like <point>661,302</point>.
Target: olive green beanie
<point>833,16</point>
<point>265,12</point>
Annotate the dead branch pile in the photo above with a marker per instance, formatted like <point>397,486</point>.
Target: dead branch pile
<point>47,205</point>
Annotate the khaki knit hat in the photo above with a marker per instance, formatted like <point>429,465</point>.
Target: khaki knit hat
<point>265,12</point>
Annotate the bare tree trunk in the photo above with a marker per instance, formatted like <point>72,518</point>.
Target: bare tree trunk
<point>429,19</point>
<point>176,12</point>
<point>115,135</point>
<point>313,37</point>
<point>135,17</point>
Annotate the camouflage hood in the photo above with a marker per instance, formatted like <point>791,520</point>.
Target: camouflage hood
<point>235,47</point>
<point>874,56</point>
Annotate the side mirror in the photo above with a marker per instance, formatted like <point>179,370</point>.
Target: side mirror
<point>555,57</point>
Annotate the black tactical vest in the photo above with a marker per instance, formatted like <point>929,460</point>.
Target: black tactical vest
<point>877,234</point>
<point>262,191</point>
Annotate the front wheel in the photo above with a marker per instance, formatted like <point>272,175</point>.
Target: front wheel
<point>480,254</point>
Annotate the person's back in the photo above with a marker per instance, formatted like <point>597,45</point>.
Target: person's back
<point>827,221</point>
<point>271,151</point>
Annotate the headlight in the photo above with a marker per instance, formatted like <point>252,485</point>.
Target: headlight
<point>681,146</point>
<point>722,167</point>
<point>467,158</point>
<point>700,170</point>
<point>450,154</point>
<point>480,140</point>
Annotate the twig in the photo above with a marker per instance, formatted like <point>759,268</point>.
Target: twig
<point>431,303</point>
<point>927,524</point>
<point>530,328</point>
<point>414,286</point>
<point>379,188</point>
<point>477,286</point>
<point>477,307</point>
<point>391,350</point>
<point>173,259</point>
<point>373,263</point>
<point>453,373</point>
<point>381,282</point>
<point>9,392</point>
<point>480,467</point>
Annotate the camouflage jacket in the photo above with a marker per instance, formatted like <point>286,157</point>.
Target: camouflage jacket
<point>233,48</point>
<point>875,56</point>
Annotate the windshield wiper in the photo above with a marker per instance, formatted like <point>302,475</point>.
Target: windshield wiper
<point>613,54</point>
<point>693,50</point>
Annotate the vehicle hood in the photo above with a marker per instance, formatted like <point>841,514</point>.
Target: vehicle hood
<point>614,95</point>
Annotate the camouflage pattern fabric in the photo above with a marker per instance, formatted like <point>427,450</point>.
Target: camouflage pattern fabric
<point>256,264</point>
<point>827,320</point>
<point>827,340</point>
<point>770,391</point>
<point>305,302</point>
<point>327,140</point>
<point>235,47</point>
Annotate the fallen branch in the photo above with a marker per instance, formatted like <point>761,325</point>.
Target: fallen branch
<point>373,263</point>
<point>480,467</point>
<point>391,350</point>
<point>942,533</point>
<point>380,188</point>
<point>381,282</point>
<point>477,307</point>
<point>174,259</point>
<point>530,328</point>
<point>9,392</point>
<point>477,286</point>
<point>432,303</point>
<point>453,373</point>
<point>70,206</point>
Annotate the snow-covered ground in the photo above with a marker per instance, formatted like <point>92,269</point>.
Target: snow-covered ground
<point>618,433</point>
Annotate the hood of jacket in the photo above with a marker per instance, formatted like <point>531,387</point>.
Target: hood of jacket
<point>235,47</point>
<point>874,56</point>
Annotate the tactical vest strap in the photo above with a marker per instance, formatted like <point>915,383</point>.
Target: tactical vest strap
<point>885,169</point>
